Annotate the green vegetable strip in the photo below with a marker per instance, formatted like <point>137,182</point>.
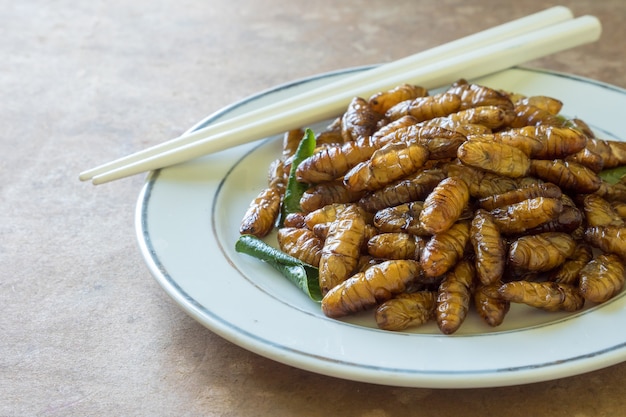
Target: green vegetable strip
<point>295,189</point>
<point>304,276</point>
<point>614,175</point>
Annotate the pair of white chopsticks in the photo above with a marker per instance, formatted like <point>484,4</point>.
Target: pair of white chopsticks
<point>483,53</point>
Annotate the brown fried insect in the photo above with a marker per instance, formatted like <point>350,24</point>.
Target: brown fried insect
<point>441,142</point>
<point>261,215</point>
<point>331,135</point>
<point>414,188</point>
<point>444,205</point>
<point>396,245</point>
<point>558,142</point>
<point>489,248</point>
<point>327,193</point>
<point>586,158</point>
<point>599,212</point>
<point>494,157</point>
<point>300,243</point>
<point>570,176</point>
<point>569,220</point>
<point>359,120</point>
<point>291,140</point>
<point>384,100</point>
<point>602,278</point>
<point>610,239</point>
<point>549,104</point>
<point>550,296</point>
<point>481,183</point>
<point>613,152</point>
<point>443,250</point>
<point>569,271</point>
<point>329,213</point>
<point>403,218</point>
<point>426,108</point>
<point>620,208</point>
<point>489,305</point>
<point>366,289</point>
<point>406,310</point>
<point>388,164</point>
<point>518,217</point>
<point>612,192</point>
<point>476,95</point>
<point>341,250</point>
<point>492,117</point>
<point>533,190</point>
<point>333,161</point>
<point>454,296</point>
<point>542,252</point>
<point>377,138</point>
<point>531,115</point>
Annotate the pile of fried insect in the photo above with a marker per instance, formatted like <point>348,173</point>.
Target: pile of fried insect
<point>424,206</point>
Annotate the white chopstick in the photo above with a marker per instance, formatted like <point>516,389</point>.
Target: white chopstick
<point>498,33</point>
<point>467,63</point>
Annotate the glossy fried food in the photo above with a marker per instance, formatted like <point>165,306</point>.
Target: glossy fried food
<point>341,249</point>
<point>444,205</point>
<point>489,248</point>
<point>602,278</point>
<point>367,289</point>
<point>454,296</point>
<point>421,207</point>
<point>406,310</point>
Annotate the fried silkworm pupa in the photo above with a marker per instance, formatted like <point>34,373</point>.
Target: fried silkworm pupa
<point>331,135</point>
<point>568,273</point>
<point>492,117</point>
<point>329,213</point>
<point>557,142</point>
<point>333,161</point>
<point>341,249</point>
<point>602,278</point>
<point>426,108</point>
<point>489,248</point>
<point>547,295</point>
<point>413,188</point>
<point>261,215</point>
<point>534,190</point>
<point>445,249</point>
<point>388,164</point>
<point>406,310</point>
<point>489,305</point>
<point>549,104</point>
<point>518,217</point>
<point>569,220</point>
<point>441,143</point>
<point>613,152</point>
<point>444,205</point>
<point>599,212</point>
<point>588,159</point>
<point>364,290</point>
<point>386,133</point>
<point>301,243</point>
<point>610,239</point>
<point>494,157</point>
<point>620,208</point>
<point>359,120</point>
<point>382,101</point>
<point>568,175</point>
<point>454,296</point>
<point>291,140</point>
<point>476,95</point>
<point>396,246</point>
<point>542,252</point>
<point>401,218</point>
<point>332,192</point>
<point>531,115</point>
<point>612,192</point>
<point>481,183</point>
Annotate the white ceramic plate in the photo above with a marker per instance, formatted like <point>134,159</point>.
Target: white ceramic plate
<point>187,224</point>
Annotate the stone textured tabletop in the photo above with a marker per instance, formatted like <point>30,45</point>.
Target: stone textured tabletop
<point>85,329</point>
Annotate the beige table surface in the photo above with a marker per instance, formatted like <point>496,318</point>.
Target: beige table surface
<point>84,328</point>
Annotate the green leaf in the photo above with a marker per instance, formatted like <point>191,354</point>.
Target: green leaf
<point>613,175</point>
<point>295,189</point>
<point>304,276</point>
